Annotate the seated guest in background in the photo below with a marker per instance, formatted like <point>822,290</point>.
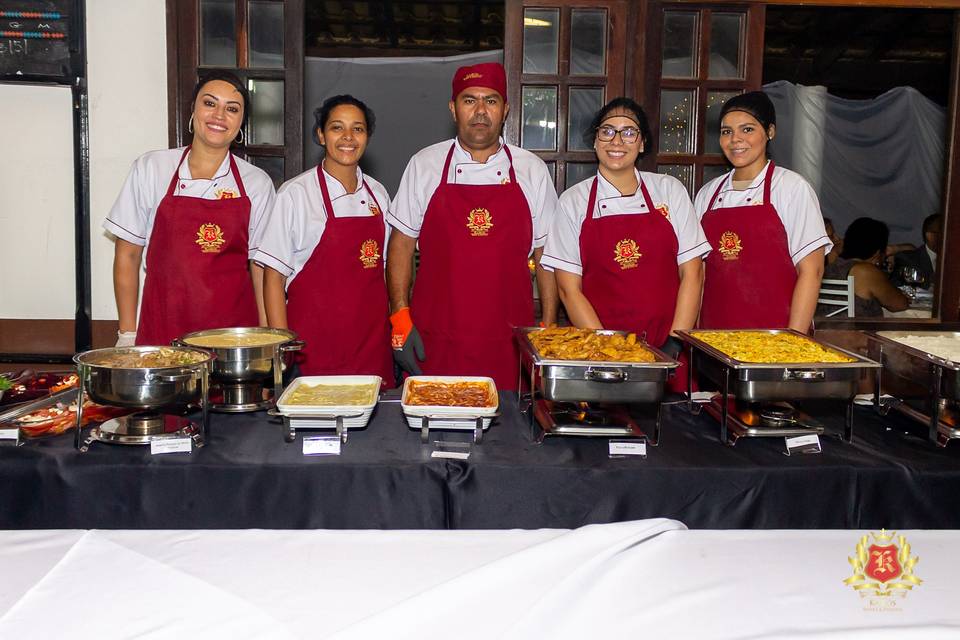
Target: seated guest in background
<point>864,249</point>
<point>837,241</point>
<point>924,257</point>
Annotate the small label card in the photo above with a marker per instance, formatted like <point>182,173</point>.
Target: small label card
<point>10,436</point>
<point>450,450</point>
<point>623,448</point>
<point>321,445</point>
<point>171,445</point>
<point>803,444</point>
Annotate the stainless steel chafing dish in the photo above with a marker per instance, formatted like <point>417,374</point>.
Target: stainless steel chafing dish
<point>928,386</point>
<point>240,371</point>
<point>562,390</point>
<point>774,382</point>
<point>175,387</point>
<point>595,381</point>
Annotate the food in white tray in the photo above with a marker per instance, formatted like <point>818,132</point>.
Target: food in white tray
<point>332,395</point>
<point>946,347</point>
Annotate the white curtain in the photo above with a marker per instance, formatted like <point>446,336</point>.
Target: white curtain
<point>408,95</point>
<point>883,158</point>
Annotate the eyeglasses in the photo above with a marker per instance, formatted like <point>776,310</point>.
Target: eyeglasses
<point>628,135</point>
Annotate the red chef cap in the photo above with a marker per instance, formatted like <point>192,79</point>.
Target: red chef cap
<point>490,75</point>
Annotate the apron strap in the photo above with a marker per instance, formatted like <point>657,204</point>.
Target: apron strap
<point>716,193</point>
<point>767,179</point>
<point>372,197</point>
<point>646,197</point>
<point>513,176</point>
<point>446,164</point>
<point>236,176</point>
<point>176,172</point>
<point>325,193</point>
<point>591,200</point>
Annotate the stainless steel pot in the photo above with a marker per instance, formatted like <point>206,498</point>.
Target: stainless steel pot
<point>172,388</point>
<point>235,365</point>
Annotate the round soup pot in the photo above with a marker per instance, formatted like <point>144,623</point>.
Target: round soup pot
<point>108,381</point>
<point>237,362</point>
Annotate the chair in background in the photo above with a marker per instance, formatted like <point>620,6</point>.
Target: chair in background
<point>838,294</point>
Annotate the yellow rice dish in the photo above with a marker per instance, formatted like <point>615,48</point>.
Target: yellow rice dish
<point>333,395</point>
<point>233,340</point>
<point>769,348</point>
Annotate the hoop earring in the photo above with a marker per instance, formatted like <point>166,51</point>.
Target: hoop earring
<point>240,138</point>
<point>190,124</point>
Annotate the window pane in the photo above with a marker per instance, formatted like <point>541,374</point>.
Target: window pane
<point>682,172</point>
<point>584,103</point>
<point>266,34</point>
<point>273,165</point>
<point>726,34</point>
<point>539,118</point>
<point>579,171</point>
<point>541,37</point>
<point>266,112</point>
<point>218,33</point>
<point>679,44</point>
<point>676,128</point>
<point>711,171</point>
<point>588,42</point>
<point>715,100</point>
<point>552,168</point>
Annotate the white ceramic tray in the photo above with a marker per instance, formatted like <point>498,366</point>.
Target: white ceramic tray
<point>449,417</point>
<point>322,413</point>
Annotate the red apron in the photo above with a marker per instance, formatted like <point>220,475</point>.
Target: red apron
<point>630,272</point>
<point>473,282</point>
<point>750,276</point>
<point>198,275</point>
<point>338,302</point>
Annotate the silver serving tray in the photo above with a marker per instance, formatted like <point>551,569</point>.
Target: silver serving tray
<point>758,381</point>
<point>596,381</point>
<point>914,364</point>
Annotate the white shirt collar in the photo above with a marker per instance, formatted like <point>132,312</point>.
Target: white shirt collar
<point>756,182</point>
<point>932,254</point>
<point>335,187</point>
<point>462,156</point>
<point>605,188</point>
<point>184,172</point>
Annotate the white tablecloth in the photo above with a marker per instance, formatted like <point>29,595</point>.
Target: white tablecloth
<point>651,579</point>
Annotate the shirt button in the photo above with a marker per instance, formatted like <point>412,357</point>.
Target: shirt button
<point>363,202</point>
<point>459,170</point>
<point>603,206</point>
<point>183,186</point>
<point>748,199</point>
<point>498,173</point>
<point>719,199</point>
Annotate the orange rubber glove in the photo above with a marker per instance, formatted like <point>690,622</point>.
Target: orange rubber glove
<point>407,345</point>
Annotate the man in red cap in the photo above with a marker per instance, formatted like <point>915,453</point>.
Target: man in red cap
<point>478,208</point>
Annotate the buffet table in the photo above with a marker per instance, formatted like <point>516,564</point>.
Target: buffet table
<point>248,477</point>
<point>651,578</point>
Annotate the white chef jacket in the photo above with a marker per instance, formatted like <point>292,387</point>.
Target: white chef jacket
<point>289,234</point>
<point>422,177</point>
<point>793,198</point>
<point>135,209</point>
<point>562,250</point>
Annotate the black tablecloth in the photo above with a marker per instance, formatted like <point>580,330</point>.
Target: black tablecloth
<point>248,477</point>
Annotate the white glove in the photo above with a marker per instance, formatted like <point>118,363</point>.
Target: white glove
<point>126,338</point>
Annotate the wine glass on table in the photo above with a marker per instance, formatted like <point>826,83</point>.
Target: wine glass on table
<point>912,277</point>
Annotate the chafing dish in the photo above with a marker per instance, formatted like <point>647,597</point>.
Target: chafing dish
<point>589,381</point>
<point>754,382</point>
<point>173,388</point>
<point>593,381</point>
<point>927,386</point>
<point>241,372</point>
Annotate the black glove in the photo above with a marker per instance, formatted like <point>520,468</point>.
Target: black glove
<point>672,347</point>
<point>411,353</point>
